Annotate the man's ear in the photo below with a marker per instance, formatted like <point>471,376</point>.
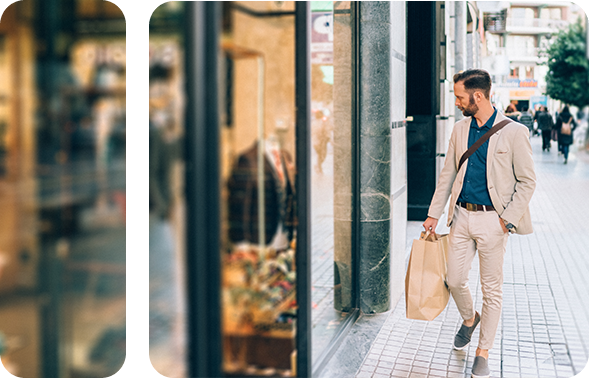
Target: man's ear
<point>478,96</point>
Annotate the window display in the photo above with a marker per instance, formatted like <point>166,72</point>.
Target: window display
<point>258,190</point>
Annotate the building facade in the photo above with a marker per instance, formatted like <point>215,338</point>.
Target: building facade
<point>515,35</point>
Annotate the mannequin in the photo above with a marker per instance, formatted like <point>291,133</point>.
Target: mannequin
<point>278,196</point>
<point>273,153</point>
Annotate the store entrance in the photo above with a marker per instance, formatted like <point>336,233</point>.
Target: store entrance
<point>423,88</point>
<point>521,105</point>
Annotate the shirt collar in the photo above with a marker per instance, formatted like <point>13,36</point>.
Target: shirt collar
<point>487,125</point>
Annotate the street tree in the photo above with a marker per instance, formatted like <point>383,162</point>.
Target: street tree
<point>567,79</point>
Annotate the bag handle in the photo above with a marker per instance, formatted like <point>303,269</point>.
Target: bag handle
<point>430,236</point>
<point>482,140</point>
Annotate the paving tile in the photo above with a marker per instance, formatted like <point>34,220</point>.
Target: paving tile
<point>419,370</point>
<point>370,362</point>
<point>402,367</point>
<point>385,364</point>
<point>385,371</point>
<point>367,369</point>
<point>387,358</point>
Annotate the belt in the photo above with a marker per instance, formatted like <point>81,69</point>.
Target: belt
<point>473,207</point>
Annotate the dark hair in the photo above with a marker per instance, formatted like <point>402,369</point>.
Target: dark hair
<point>475,79</point>
<point>565,110</point>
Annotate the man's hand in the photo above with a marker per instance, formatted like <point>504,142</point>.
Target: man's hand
<point>431,223</point>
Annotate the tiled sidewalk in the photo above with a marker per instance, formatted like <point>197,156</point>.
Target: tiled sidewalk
<point>544,328</point>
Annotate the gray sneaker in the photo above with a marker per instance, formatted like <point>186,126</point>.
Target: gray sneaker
<point>463,336</point>
<point>480,368</point>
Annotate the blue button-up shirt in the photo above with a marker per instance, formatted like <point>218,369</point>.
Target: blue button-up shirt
<point>474,187</point>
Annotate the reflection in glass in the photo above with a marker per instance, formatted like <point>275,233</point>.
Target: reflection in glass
<point>62,189</point>
<point>167,309</point>
<point>331,180</point>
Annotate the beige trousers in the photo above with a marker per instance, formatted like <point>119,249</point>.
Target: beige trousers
<point>472,231</point>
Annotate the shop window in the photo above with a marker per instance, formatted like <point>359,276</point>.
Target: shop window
<point>258,207</point>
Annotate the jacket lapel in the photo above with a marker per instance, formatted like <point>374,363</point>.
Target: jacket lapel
<point>493,140</point>
<point>464,136</point>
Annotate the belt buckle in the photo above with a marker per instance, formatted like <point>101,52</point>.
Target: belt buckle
<point>471,207</point>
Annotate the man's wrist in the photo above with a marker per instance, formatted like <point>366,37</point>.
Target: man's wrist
<point>510,227</point>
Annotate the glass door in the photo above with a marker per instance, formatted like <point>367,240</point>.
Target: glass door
<point>332,175</point>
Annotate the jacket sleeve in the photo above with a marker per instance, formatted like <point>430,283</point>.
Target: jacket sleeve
<point>525,176</point>
<point>446,180</point>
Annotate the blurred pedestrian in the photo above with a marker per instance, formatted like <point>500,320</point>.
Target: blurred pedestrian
<point>511,112</point>
<point>545,124</point>
<point>164,299</point>
<point>565,125</point>
<point>527,120</point>
<point>321,136</point>
<point>489,197</point>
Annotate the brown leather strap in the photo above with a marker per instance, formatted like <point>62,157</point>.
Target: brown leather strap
<point>475,146</point>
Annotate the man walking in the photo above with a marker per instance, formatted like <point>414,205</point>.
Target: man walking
<point>545,124</point>
<point>489,196</point>
<point>527,120</point>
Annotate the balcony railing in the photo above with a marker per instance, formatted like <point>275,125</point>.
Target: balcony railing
<point>530,54</point>
<point>498,23</point>
<point>532,24</point>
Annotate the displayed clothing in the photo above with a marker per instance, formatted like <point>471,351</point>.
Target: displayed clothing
<point>279,197</point>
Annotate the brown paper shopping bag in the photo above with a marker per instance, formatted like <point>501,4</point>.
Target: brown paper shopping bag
<point>426,292</point>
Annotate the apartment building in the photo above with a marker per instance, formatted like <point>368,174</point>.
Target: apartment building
<point>516,33</point>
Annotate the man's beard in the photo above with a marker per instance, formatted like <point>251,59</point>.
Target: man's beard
<point>471,109</point>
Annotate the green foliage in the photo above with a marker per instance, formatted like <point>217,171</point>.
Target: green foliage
<point>567,79</point>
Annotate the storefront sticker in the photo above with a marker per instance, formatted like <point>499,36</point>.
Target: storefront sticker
<point>322,38</point>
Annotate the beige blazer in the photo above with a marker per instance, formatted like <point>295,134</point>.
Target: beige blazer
<point>511,179</point>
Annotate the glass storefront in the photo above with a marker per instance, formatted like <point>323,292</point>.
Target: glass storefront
<point>332,173</point>
<point>62,188</point>
<point>63,183</point>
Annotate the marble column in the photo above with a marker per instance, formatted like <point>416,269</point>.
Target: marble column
<point>375,156</point>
